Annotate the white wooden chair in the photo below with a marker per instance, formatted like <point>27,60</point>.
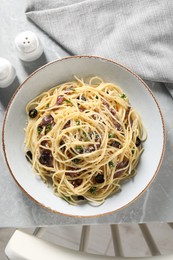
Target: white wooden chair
<point>23,246</point>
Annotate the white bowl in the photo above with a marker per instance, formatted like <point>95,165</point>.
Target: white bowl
<point>62,70</point>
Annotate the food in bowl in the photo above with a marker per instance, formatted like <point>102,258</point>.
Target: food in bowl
<point>84,138</point>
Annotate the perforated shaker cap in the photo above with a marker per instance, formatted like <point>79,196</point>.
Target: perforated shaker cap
<point>28,46</point>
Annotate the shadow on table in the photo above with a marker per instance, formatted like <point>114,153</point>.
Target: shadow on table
<point>34,65</point>
<point>7,93</point>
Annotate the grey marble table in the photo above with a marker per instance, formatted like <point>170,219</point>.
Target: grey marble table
<point>16,209</point>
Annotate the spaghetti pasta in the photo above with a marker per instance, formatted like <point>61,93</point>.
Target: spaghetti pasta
<point>84,139</point>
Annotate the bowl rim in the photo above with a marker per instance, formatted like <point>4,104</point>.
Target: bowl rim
<point>78,57</point>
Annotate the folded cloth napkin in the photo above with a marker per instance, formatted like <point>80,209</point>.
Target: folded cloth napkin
<point>138,34</point>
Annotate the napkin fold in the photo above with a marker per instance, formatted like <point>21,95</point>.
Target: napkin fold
<point>138,34</point>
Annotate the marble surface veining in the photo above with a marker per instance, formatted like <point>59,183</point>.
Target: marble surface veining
<point>17,210</point>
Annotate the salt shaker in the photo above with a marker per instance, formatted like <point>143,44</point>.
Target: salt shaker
<point>7,73</point>
<point>28,46</point>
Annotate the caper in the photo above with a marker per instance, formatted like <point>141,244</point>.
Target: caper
<point>28,155</point>
<point>80,197</point>
<point>33,113</point>
<point>99,178</point>
<point>138,142</point>
<point>116,144</point>
<point>82,98</point>
<point>46,158</point>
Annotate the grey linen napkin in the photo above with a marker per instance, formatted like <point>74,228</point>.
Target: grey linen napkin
<point>138,34</point>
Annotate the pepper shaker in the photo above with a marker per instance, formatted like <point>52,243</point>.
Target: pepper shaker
<point>28,46</point>
<point>7,73</point>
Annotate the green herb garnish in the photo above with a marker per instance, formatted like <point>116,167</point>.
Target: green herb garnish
<point>111,135</point>
<point>86,137</point>
<point>68,101</point>
<point>77,122</point>
<point>79,149</point>
<point>93,190</point>
<point>111,164</point>
<point>39,129</point>
<point>76,160</point>
<point>48,128</point>
<point>123,96</point>
<point>91,134</point>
